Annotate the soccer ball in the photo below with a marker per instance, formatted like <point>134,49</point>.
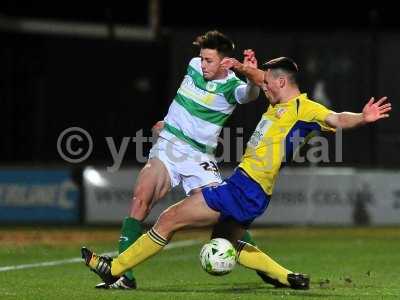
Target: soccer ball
<point>218,257</point>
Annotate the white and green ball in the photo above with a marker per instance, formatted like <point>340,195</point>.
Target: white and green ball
<point>218,257</point>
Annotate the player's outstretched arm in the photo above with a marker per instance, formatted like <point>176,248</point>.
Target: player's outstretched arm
<point>252,73</point>
<point>372,112</point>
<point>250,91</point>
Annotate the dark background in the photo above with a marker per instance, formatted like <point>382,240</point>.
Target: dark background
<point>115,87</point>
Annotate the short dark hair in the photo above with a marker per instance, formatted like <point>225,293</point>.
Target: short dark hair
<point>283,64</point>
<point>215,40</point>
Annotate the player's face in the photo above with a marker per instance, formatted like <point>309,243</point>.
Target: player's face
<point>271,87</point>
<point>210,64</point>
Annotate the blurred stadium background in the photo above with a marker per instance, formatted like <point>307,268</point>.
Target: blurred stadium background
<point>113,70</point>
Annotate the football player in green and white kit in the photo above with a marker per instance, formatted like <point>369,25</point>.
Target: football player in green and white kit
<point>184,152</point>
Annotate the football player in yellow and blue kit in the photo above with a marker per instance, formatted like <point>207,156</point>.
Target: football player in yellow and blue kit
<point>245,195</point>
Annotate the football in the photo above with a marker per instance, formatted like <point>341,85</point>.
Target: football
<point>218,257</point>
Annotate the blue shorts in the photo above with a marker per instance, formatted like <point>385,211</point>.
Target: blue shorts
<point>239,197</point>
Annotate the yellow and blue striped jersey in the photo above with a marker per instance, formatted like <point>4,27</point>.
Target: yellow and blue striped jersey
<point>277,135</point>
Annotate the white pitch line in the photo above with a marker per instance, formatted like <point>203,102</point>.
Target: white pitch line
<point>179,244</point>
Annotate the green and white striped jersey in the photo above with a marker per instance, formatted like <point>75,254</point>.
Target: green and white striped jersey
<point>201,108</point>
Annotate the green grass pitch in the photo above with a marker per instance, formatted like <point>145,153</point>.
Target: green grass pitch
<point>359,263</point>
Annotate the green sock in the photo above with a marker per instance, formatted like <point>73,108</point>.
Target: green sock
<point>130,232</point>
<point>248,239</point>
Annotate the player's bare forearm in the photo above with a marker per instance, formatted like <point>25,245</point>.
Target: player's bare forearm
<point>347,120</point>
<point>372,112</point>
<point>253,74</point>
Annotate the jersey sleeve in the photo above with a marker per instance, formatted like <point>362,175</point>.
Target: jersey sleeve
<point>231,88</point>
<point>195,64</point>
<point>246,93</point>
<point>318,113</point>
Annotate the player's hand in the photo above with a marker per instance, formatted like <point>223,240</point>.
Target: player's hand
<point>375,111</point>
<point>229,63</point>
<point>249,58</point>
<point>156,129</point>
